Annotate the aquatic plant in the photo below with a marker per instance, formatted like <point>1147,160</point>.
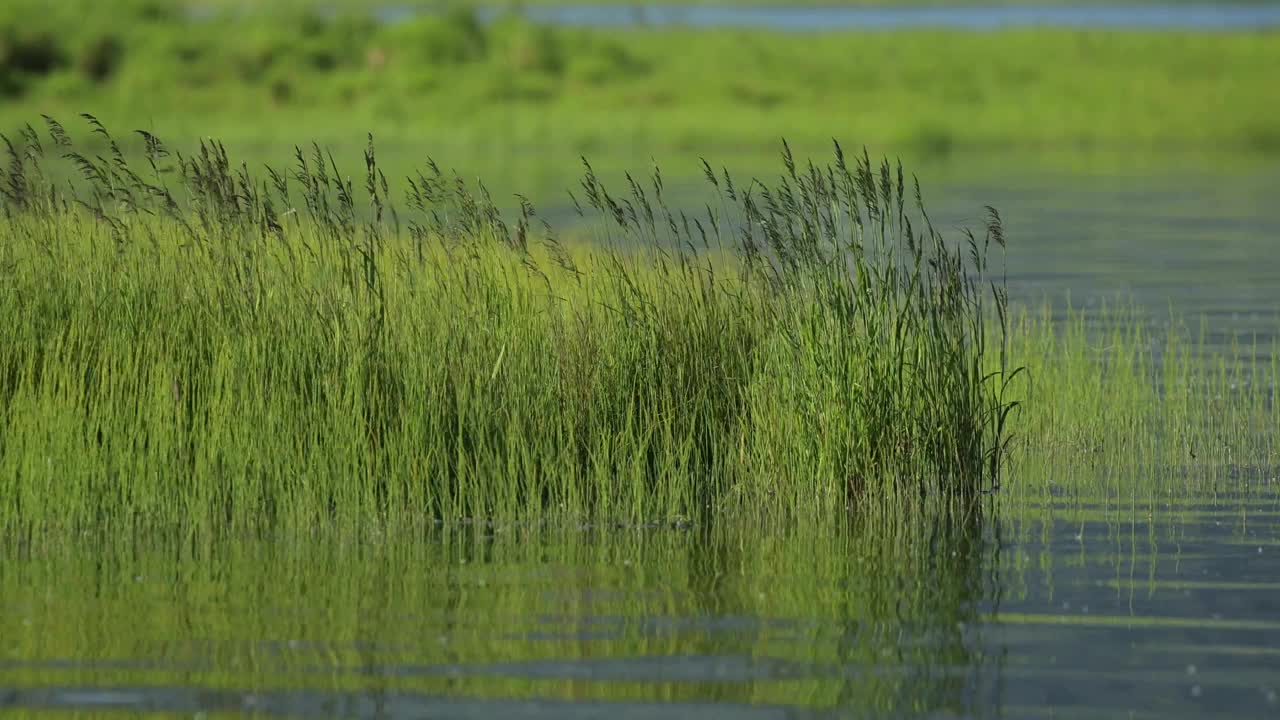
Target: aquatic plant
<point>1121,405</point>
<point>191,342</point>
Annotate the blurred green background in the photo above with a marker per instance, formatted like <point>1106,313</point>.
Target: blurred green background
<point>493,94</point>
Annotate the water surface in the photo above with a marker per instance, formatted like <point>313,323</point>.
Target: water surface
<point>1191,242</point>
<point>798,18</point>
<point>1159,604</point>
<point>1189,245</point>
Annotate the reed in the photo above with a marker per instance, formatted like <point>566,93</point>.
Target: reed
<point>1124,405</point>
<point>191,343</point>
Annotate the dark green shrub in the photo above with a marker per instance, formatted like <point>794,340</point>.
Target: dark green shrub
<point>101,57</point>
<point>25,56</point>
<point>33,53</point>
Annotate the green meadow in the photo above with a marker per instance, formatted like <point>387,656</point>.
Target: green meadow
<point>478,94</point>
<point>358,4</point>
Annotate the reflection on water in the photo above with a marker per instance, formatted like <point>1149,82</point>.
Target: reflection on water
<point>1165,606</point>
<point>800,18</point>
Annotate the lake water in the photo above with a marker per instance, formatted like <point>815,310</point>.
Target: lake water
<point>1195,243</point>
<point>1194,238</point>
<point>1130,592</point>
<point>801,18</point>
<point>1119,604</point>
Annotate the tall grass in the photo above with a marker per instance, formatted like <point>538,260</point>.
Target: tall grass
<point>191,342</point>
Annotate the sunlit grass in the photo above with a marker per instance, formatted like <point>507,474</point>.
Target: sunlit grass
<point>190,343</point>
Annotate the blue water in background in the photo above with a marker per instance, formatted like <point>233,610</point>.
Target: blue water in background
<point>978,17</point>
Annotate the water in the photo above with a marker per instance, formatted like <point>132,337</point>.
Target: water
<point>1163,604</point>
<point>1189,240</point>
<point>798,18</point>
<point>1194,244</point>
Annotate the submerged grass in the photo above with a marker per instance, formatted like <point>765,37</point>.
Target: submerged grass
<point>1110,385</point>
<point>186,344</point>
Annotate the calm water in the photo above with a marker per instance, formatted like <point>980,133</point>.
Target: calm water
<point>799,18</point>
<point>1151,604</point>
<point>1197,239</point>
<point>1194,243</point>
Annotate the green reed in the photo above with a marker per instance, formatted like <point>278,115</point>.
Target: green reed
<point>192,342</point>
<point>1129,388</point>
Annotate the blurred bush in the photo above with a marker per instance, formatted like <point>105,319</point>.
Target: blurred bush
<point>291,53</point>
<point>26,56</point>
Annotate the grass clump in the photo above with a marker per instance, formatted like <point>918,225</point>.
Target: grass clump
<point>191,343</point>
